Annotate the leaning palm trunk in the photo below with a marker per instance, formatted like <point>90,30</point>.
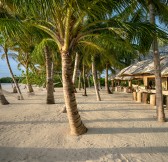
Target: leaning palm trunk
<point>14,89</point>
<point>49,79</point>
<point>29,86</point>
<point>106,81</point>
<point>158,81</point>
<point>76,66</point>
<point>76,125</point>
<point>84,81</point>
<point>95,80</point>
<point>13,77</point>
<point>2,97</point>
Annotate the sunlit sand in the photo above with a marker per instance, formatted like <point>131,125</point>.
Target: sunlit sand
<point>119,129</point>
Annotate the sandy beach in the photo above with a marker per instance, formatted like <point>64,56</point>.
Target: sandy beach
<point>119,130</point>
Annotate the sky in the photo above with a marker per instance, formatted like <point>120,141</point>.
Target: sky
<point>4,71</point>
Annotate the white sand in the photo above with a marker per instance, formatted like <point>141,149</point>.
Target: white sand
<point>119,130</point>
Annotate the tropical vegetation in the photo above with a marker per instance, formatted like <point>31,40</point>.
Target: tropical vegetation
<point>51,36</point>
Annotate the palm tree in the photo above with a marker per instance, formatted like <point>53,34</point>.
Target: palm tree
<point>47,46</point>
<point>5,48</point>
<point>49,78</point>
<point>13,77</point>
<point>79,81</point>
<point>24,57</point>
<point>84,80</point>
<point>76,68</point>
<point>158,79</point>
<point>72,23</point>
<point>159,9</point>
<point>2,97</point>
<point>88,79</point>
<point>94,73</point>
<point>106,80</point>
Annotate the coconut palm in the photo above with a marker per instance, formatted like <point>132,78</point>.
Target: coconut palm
<point>76,68</point>
<point>158,80</point>
<point>24,49</point>
<point>24,57</point>
<point>49,78</point>
<point>4,45</point>
<point>48,47</point>
<point>79,81</point>
<point>157,9</point>
<point>2,97</point>
<point>84,80</point>
<point>94,73</point>
<point>71,23</point>
<point>106,80</point>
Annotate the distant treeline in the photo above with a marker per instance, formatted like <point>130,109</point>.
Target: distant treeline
<point>9,79</point>
<point>56,80</point>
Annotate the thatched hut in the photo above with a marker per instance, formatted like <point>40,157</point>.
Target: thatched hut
<point>145,70</point>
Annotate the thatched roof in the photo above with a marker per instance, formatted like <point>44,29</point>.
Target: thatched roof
<point>145,67</point>
<point>123,78</point>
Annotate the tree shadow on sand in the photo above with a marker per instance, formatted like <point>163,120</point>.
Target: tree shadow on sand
<point>127,130</point>
<point>71,154</point>
<point>117,109</point>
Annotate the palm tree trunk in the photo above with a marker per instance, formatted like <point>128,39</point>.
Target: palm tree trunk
<point>79,81</point>
<point>49,79</point>
<point>88,79</point>
<point>82,85</point>
<point>52,74</point>
<point>2,97</point>
<point>13,77</point>
<point>158,81</point>
<point>106,81</point>
<point>84,81</point>
<point>76,125</point>
<point>29,86</point>
<point>98,80</point>
<point>76,66</point>
<point>95,79</point>
<point>14,89</point>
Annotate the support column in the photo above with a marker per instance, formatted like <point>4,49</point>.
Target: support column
<point>153,99</point>
<point>139,96</point>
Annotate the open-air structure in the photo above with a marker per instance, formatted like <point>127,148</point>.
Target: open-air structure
<point>143,70</point>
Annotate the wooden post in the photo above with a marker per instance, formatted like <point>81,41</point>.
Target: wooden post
<point>116,89</point>
<point>166,102</point>
<point>130,83</point>
<point>144,97</point>
<point>139,96</point>
<point>153,99</point>
<point>112,83</point>
<point>134,96</point>
<point>125,89</point>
